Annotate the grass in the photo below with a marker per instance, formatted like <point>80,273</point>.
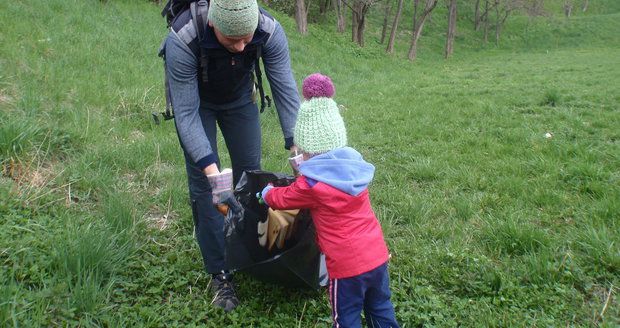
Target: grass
<point>497,180</point>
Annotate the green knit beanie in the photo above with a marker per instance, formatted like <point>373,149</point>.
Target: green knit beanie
<point>319,127</point>
<point>234,17</point>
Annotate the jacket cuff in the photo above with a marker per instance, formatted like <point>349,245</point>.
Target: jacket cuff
<point>206,161</point>
<point>288,143</point>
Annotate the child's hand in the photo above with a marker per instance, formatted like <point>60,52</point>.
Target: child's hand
<point>261,195</point>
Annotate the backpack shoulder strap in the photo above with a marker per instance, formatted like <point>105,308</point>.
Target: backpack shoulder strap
<point>200,10</point>
<point>265,101</point>
<point>267,25</point>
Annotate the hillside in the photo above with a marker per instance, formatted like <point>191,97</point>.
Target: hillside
<point>497,171</point>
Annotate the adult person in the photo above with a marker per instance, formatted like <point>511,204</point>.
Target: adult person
<point>237,32</point>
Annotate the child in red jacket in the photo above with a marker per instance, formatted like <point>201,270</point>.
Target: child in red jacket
<point>333,185</point>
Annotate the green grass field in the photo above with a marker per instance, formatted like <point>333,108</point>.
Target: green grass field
<point>497,183</point>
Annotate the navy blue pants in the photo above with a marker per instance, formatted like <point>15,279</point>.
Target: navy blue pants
<point>369,292</point>
<point>242,135</point>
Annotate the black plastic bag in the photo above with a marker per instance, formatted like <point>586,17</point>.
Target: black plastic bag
<point>298,264</point>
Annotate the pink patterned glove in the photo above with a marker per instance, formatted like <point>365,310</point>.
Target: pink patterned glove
<point>221,184</point>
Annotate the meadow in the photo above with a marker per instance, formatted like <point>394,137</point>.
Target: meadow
<point>497,182</point>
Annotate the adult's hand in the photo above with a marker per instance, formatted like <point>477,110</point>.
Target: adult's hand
<point>233,216</point>
<point>221,182</point>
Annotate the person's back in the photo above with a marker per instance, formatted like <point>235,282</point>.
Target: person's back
<point>334,186</point>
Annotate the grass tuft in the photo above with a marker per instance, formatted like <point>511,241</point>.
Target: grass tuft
<point>551,98</point>
<point>91,252</point>
<point>513,238</point>
<point>600,251</point>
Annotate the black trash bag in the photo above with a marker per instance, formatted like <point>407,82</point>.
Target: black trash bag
<point>298,264</point>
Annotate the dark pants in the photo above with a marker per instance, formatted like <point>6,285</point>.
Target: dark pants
<point>368,291</point>
<point>241,130</point>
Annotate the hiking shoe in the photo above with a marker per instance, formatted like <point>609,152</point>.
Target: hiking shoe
<point>224,295</point>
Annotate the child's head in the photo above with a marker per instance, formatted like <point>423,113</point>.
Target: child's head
<point>319,126</point>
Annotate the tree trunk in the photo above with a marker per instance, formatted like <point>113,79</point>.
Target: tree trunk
<point>486,21</point>
<point>301,16</point>
<point>416,5</point>
<point>417,29</point>
<point>500,23</point>
<point>585,6</point>
<point>354,22</point>
<point>477,16</point>
<point>451,29</point>
<point>390,46</point>
<point>497,22</point>
<point>358,19</point>
<point>323,5</point>
<point>339,12</point>
<point>361,28</point>
<point>568,8</point>
<point>388,9</point>
<point>360,8</point>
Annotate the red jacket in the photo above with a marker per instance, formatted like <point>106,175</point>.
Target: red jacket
<point>348,232</point>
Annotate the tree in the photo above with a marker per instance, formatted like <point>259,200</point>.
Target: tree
<point>451,29</point>
<point>418,24</point>
<point>503,9</point>
<point>388,9</point>
<point>568,8</point>
<point>585,5</point>
<point>359,10</point>
<point>323,6</point>
<point>477,15</point>
<point>486,21</point>
<point>481,17</point>
<point>390,46</point>
<point>340,22</point>
<point>301,16</point>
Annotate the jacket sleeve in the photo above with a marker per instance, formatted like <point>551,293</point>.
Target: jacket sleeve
<point>182,69</point>
<point>295,196</point>
<point>277,62</point>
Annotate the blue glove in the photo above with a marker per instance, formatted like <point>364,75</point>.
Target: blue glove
<point>261,195</point>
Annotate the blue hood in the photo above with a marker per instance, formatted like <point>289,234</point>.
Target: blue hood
<point>342,168</point>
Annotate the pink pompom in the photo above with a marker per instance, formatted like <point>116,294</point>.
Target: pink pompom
<point>317,85</point>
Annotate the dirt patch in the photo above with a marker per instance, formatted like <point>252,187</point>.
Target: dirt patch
<point>136,135</point>
<point>28,176</point>
<point>4,98</point>
<point>160,221</point>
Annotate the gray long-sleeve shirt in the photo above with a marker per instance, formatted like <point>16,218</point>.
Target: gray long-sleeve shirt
<point>182,68</point>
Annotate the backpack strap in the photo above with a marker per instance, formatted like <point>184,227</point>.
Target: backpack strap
<point>199,11</point>
<point>259,80</point>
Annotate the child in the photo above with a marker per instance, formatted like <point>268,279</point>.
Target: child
<point>333,186</point>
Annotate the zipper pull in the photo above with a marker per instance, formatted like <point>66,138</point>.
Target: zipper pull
<point>232,61</point>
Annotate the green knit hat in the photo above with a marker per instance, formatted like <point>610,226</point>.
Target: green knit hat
<point>234,17</point>
<point>319,126</point>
